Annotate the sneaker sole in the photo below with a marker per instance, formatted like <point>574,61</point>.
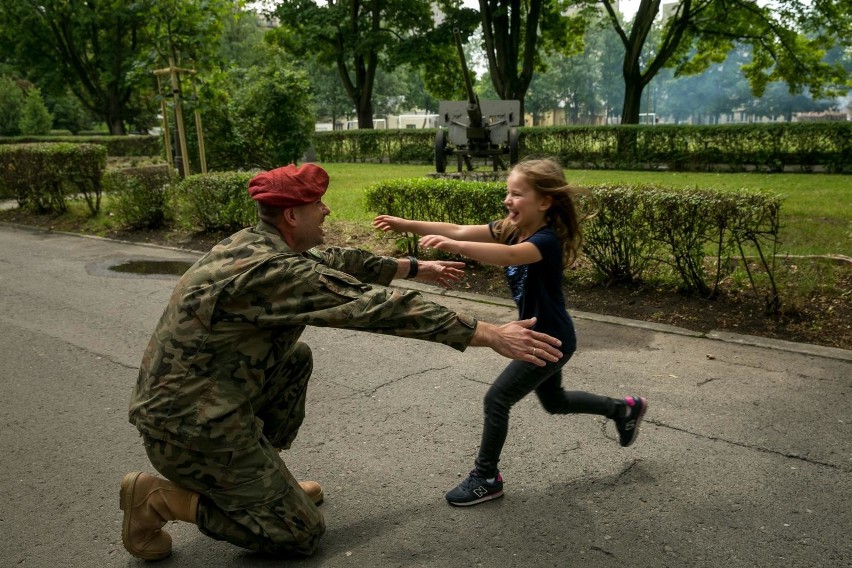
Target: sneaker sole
<point>477,502</point>
<point>128,483</point>
<point>637,423</point>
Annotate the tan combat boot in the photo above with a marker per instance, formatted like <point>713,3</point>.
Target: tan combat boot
<point>148,502</point>
<point>313,491</point>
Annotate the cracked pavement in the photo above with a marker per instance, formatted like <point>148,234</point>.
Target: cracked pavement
<point>743,460</point>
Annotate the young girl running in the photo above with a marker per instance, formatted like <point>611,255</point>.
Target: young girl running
<point>538,238</point>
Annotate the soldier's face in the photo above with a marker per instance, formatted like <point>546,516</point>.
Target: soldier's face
<point>308,230</point>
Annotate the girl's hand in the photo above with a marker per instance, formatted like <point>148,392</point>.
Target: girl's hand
<point>442,272</point>
<point>438,242</point>
<point>389,223</point>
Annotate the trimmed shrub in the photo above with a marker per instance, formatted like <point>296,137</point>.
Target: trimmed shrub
<point>696,232</point>
<point>141,195</point>
<point>42,176</point>
<point>131,145</point>
<point>738,147</point>
<point>615,239</point>
<point>437,199</point>
<point>402,146</point>
<point>216,201</point>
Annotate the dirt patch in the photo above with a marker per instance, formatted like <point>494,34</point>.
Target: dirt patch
<point>822,317</point>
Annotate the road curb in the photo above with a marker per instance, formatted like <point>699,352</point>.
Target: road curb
<point>723,336</point>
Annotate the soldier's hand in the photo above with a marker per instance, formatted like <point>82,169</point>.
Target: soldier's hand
<point>443,272</point>
<point>516,340</point>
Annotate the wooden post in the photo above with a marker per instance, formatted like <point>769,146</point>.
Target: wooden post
<point>202,155</point>
<point>166,135</point>
<point>173,72</point>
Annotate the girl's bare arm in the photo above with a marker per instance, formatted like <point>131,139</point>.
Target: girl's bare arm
<point>486,252</point>
<point>477,233</point>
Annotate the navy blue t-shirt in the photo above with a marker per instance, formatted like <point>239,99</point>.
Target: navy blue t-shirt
<point>537,288</point>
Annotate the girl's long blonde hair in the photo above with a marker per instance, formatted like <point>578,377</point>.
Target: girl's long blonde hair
<point>546,177</point>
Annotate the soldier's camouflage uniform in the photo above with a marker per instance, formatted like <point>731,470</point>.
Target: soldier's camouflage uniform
<point>222,383</point>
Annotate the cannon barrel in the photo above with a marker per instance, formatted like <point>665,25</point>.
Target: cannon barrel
<point>474,111</point>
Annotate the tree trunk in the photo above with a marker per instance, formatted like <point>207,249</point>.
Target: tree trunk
<point>632,101</point>
<point>114,118</point>
<point>365,115</point>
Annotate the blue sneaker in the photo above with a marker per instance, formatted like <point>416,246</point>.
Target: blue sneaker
<point>475,489</point>
<point>628,426</point>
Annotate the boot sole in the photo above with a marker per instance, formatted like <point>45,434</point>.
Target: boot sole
<point>128,483</point>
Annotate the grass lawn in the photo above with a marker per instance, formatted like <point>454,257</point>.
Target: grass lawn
<point>816,214</point>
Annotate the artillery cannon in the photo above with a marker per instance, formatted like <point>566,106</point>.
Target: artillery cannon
<point>476,129</point>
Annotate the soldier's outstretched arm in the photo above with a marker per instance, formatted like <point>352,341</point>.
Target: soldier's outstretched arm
<point>516,340</point>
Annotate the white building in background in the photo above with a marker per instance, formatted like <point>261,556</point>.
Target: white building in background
<point>415,119</point>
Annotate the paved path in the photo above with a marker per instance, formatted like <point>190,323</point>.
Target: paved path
<point>745,457</point>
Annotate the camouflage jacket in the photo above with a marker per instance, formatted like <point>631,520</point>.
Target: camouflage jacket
<point>239,310</point>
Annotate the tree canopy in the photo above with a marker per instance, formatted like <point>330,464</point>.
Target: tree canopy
<point>788,41</point>
<point>105,50</point>
<point>359,36</point>
<point>516,34</point>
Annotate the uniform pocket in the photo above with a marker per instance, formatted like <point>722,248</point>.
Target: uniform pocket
<point>254,477</point>
<point>340,283</point>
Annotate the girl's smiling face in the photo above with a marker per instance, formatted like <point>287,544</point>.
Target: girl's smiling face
<point>526,207</point>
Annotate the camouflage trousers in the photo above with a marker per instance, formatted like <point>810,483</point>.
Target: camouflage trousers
<point>248,497</point>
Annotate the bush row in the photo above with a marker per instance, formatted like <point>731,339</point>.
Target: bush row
<point>405,146</point>
<point>739,147</point>
<point>42,176</point>
<point>636,229</point>
<point>135,145</point>
<point>217,201</point>
<point>147,197</point>
<point>140,195</point>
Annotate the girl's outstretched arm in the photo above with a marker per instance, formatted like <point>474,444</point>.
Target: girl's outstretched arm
<point>488,253</point>
<point>478,233</point>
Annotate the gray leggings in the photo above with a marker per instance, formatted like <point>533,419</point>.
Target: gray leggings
<point>517,381</point>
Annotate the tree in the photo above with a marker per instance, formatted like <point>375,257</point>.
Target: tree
<point>788,41</point>
<point>93,45</point>
<point>11,103</point>
<point>515,32</point>
<point>68,112</point>
<point>257,118</point>
<point>332,102</point>
<point>356,37</point>
<point>35,118</point>
<point>273,116</point>
<point>105,50</point>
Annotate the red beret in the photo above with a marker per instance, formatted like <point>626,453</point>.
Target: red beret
<point>289,186</point>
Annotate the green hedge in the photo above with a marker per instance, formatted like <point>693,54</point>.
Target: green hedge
<point>403,146</point>
<point>637,228</point>
<point>216,201</point>
<point>141,195</point>
<point>738,147</point>
<point>42,176</point>
<point>128,146</point>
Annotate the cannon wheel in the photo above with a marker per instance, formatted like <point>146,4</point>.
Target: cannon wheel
<point>514,146</point>
<point>441,151</point>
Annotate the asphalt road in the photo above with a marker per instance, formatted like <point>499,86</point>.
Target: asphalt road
<point>744,459</point>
